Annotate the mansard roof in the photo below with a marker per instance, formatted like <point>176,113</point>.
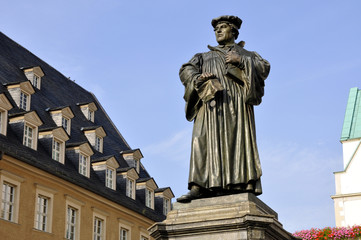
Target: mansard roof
<point>56,92</point>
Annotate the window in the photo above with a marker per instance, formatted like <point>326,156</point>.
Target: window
<point>99,224</point>
<point>124,234</point>
<point>83,165</point>
<point>90,115</point>
<point>98,231</point>
<point>8,201</point>
<point>166,206</point>
<point>34,75</point>
<point>136,165</point>
<point>71,223</point>
<point>98,144</point>
<point>23,101</point>
<point>66,125</point>
<point>73,215</point>
<point>43,208</point>
<point>28,136</point>
<point>130,188</point>
<point>143,238</point>
<point>88,110</point>
<point>109,178</point>
<point>56,154</point>
<point>148,198</point>
<point>36,81</point>
<point>9,195</point>
<point>42,213</point>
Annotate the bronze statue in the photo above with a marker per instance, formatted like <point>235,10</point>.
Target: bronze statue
<point>221,88</point>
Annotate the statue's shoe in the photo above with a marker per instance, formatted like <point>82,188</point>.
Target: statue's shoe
<point>194,193</point>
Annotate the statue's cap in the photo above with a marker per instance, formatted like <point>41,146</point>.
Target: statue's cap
<point>236,21</point>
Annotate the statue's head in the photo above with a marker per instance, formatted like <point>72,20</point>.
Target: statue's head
<point>226,27</point>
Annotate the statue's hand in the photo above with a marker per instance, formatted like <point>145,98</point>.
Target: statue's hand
<point>203,78</point>
<point>233,57</point>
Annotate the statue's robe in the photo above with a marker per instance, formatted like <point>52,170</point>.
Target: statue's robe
<point>224,153</point>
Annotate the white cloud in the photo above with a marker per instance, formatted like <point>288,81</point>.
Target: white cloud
<point>177,146</point>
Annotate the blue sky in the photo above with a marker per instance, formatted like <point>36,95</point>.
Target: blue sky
<point>128,53</point>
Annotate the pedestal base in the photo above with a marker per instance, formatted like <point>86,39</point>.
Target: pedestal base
<point>233,217</point>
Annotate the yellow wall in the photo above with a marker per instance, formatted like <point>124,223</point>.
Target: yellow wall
<point>63,190</point>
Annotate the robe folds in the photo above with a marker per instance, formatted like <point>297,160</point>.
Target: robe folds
<point>224,153</point>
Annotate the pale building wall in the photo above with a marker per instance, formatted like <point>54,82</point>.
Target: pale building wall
<point>347,201</point>
<point>348,149</point>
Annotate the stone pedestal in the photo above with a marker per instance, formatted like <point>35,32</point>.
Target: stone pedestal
<point>234,217</point>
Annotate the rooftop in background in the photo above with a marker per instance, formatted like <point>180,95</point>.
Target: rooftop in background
<point>57,93</point>
<point>352,122</point>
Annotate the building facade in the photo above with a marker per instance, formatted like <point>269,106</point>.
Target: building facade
<point>65,170</point>
<point>347,199</point>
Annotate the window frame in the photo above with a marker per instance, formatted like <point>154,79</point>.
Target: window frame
<point>42,213</point>
<point>149,198</point>
<point>71,223</point>
<point>166,206</point>
<point>127,226</point>
<point>132,194</point>
<point>91,115</point>
<point>110,181</point>
<point>66,121</point>
<point>8,201</point>
<point>14,180</point>
<point>36,81</point>
<point>98,143</point>
<point>77,205</point>
<point>83,156</point>
<point>46,193</point>
<point>56,150</point>
<point>24,99</point>
<point>60,152</point>
<point>33,137</point>
<point>101,215</point>
<point>121,234</point>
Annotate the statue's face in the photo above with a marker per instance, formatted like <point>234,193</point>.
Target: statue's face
<point>224,33</point>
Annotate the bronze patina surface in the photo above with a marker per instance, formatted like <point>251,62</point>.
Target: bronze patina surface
<point>221,88</point>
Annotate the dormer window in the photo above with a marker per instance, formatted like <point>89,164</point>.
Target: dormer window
<point>26,125</point>
<point>62,117</point>
<point>146,187</point>
<point>79,154</point>
<point>95,135</point>
<point>5,106</point>
<point>21,93</point>
<point>56,138</point>
<point>105,168</point>
<point>88,110</point>
<point>132,157</point>
<point>163,198</point>
<point>127,179</point>
<point>34,75</point>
